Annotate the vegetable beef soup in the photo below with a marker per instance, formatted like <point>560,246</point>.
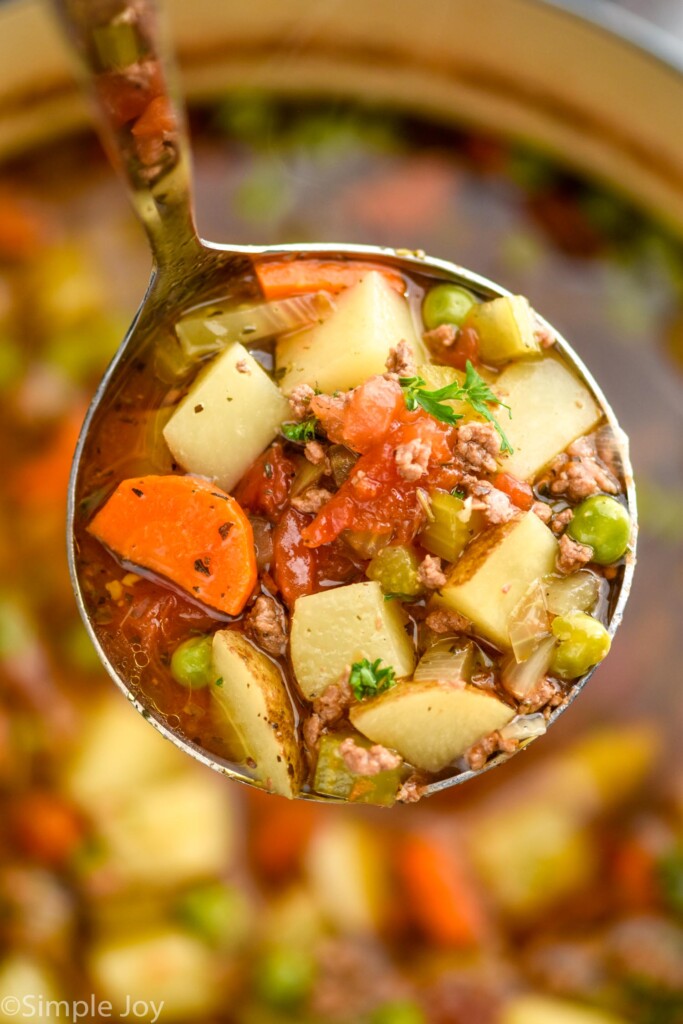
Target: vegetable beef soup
<point>387,535</point>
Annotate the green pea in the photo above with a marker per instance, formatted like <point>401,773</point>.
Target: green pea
<point>192,662</point>
<point>216,912</point>
<point>583,642</point>
<point>285,977</point>
<point>603,524</point>
<point>446,304</point>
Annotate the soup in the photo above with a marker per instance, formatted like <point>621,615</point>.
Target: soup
<point>387,562</point>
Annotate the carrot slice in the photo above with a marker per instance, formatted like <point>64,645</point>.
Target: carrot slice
<point>438,893</point>
<point>281,278</point>
<point>185,529</point>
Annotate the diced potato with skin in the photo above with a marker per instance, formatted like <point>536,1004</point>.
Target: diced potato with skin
<point>550,408</point>
<point>495,571</point>
<point>506,329</point>
<point>353,343</point>
<point>170,973</point>
<point>231,413</point>
<point>255,699</point>
<point>335,628</point>
<point>430,723</point>
<point>538,1009</point>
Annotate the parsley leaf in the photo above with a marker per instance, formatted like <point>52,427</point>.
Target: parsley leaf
<point>302,432</point>
<point>367,679</point>
<point>474,390</point>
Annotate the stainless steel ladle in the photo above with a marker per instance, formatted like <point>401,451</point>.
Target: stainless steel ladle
<point>126,67</point>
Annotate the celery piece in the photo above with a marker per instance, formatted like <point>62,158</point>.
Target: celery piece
<point>333,778</point>
<point>395,569</point>
<point>366,543</point>
<point>117,44</point>
<point>450,530</point>
<point>506,328</point>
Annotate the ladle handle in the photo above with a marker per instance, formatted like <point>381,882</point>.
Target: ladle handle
<point>130,75</point>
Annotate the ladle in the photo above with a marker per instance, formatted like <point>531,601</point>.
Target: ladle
<point>128,74</point>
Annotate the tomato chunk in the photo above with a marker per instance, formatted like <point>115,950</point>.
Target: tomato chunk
<point>293,562</point>
<point>264,488</point>
<point>519,492</point>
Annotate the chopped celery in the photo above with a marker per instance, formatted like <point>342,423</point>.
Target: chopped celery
<point>396,570</point>
<point>342,461</point>
<point>366,543</point>
<point>307,475</point>
<point>333,778</point>
<point>117,44</point>
<point>506,329</point>
<point>450,529</point>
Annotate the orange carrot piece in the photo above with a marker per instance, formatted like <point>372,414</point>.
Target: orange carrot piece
<point>44,478</point>
<point>46,828</point>
<point>439,896</point>
<point>282,278</point>
<point>185,529</point>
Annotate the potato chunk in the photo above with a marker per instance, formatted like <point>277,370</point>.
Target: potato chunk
<point>430,723</point>
<point>334,628</point>
<point>495,571</point>
<point>353,344</point>
<point>230,414</point>
<point>255,699</point>
<point>550,408</point>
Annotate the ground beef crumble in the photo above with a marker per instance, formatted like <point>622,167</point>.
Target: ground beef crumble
<point>430,573</point>
<point>476,448</point>
<point>446,620</point>
<point>311,500</point>
<point>572,555</point>
<point>546,693</point>
<point>329,708</point>
<point>443,336</point>
<point>242,366</point>
<point>543,511</point>
<point>400,361</point>
<point>412,459</point>
<point>494,743</point>
<point>266,624</point>
<point>300,401</point>
<point>494,504</point>
<point>315,453</point>
<point>362,761</point>
<point>412,790</point>
<point>578,473</point>
<point>561,520</point>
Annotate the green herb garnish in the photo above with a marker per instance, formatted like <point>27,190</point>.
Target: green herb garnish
<point>367,679</point>
<point>474,390</point>
<point>302,432</point>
